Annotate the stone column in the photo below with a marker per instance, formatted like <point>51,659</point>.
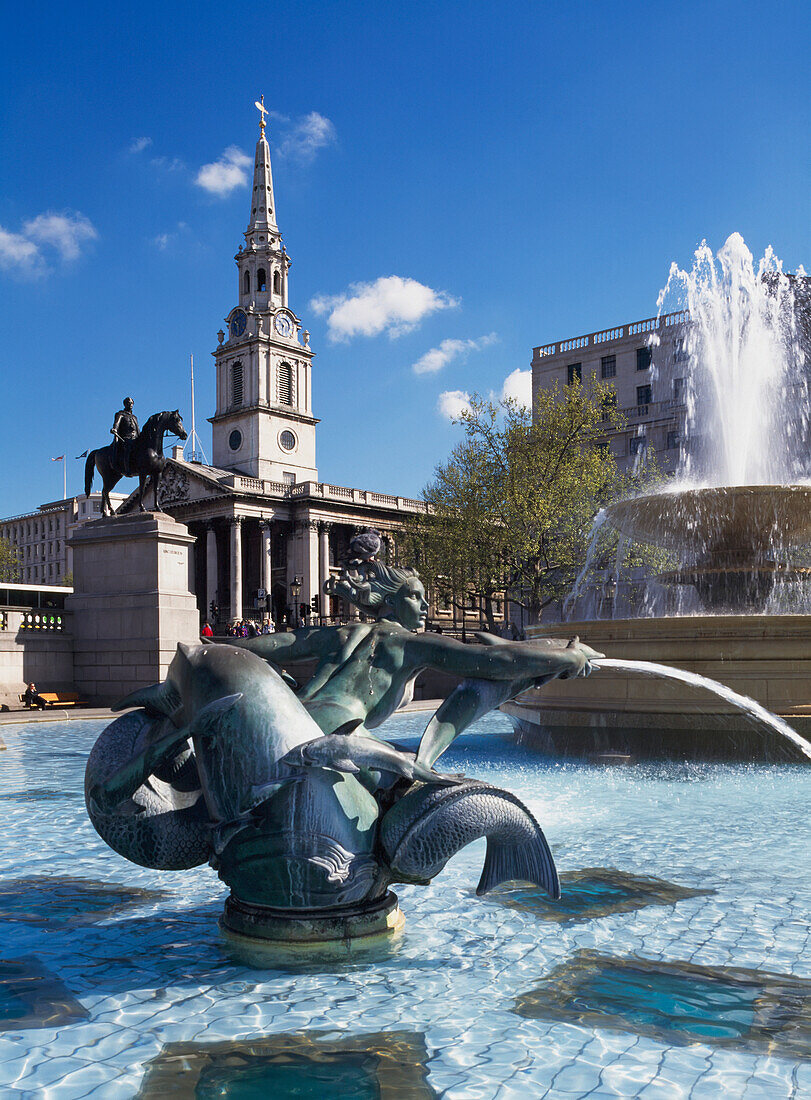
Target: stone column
<point>266,563</point>
<point>323,564</point>
<point>309,562</point>
<point>236,567</point>
<point>211,568</point>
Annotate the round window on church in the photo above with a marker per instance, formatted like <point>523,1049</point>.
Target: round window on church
<point>287,441</point>
<point>235,440</point>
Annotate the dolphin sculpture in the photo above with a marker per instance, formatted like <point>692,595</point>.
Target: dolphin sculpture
<point>346,751</point>
<point>223,763</point>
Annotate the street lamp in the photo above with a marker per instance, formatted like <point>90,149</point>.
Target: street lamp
<point>295,591</point>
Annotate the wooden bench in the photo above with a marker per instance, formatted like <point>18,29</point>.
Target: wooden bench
<point>59,699</point>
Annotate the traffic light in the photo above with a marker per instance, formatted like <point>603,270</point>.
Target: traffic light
<point>314,603</point>
<point>214,609</point>
<point>302,610</point>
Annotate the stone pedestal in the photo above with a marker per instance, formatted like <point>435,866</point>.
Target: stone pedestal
<point>259,924</point>
<point>131,602</point>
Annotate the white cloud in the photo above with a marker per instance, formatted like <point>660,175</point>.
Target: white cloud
<point>163,240</point>
<point>311,133</point>
<point>518,386</point>
<point>439,357</point>
<point>139,144</point>
<point>18,253</point>
<point>390,304</point>
<point>224,175</point>
<point>168,164</point>
<point>452,403</point>
<point>65,233</point>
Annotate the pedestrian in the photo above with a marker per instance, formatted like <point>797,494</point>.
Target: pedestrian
<point>32,698</point>
<point>206,631</point>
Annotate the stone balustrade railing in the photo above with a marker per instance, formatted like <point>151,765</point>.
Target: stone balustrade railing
<point>33,620</point>
<point>592,339</point>
<point>325,491</point>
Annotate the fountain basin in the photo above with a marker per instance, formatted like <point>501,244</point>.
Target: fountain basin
<point>729,535</point>
<point>767,657</point>
<point>733,519</point>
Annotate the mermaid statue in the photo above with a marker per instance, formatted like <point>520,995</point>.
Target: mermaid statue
<point>306,814</point>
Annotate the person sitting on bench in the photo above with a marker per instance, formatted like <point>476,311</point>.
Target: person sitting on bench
<point>32,698</point>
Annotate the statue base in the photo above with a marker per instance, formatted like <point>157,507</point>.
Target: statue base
<point>298,927</point>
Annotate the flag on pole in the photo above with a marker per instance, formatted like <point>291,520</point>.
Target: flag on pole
<point>59,458</point>
<point>82,455</point>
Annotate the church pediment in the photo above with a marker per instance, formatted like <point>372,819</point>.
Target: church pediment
<point>185,483</point>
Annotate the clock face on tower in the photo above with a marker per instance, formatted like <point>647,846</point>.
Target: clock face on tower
<point>283,324</point>
<point>238,322</point>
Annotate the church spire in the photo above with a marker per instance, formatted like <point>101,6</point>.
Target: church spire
<point>262,223</point>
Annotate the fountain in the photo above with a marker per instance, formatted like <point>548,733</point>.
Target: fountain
<point>737,512</point>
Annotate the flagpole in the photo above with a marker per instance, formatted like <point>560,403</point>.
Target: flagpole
<point>64,479</point>
<point>193,427</point>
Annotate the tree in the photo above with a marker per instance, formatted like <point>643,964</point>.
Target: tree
<point>9,561</point>
<point>511,511</point>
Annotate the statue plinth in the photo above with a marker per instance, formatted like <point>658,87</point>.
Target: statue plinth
<point>261,924</point>
<point>131,602</point>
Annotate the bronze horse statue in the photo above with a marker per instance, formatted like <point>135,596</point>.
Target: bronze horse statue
<point>147,460</point>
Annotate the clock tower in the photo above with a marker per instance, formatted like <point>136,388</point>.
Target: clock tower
<point>264,426</point>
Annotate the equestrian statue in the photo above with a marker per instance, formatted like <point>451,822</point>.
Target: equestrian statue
<point>133,453</point>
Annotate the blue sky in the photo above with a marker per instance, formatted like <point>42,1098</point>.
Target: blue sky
<point>534,167</point>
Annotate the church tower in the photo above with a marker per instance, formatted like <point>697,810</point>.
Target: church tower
<point>264,426</point>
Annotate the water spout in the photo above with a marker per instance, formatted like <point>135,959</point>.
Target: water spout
<point>742,702</point>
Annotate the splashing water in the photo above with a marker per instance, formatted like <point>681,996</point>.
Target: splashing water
<point>741,368</point>
<point>743,702</point>
<point>577,587</point>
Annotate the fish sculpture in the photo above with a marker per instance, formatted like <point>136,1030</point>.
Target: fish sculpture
<point>222,763</point>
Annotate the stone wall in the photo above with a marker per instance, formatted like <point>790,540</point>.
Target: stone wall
<point>45,657</point>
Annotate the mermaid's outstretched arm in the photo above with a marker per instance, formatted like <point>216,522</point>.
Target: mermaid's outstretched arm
<point>516,666</point>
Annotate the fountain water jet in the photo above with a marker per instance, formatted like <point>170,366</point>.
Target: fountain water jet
<point>739,504</point>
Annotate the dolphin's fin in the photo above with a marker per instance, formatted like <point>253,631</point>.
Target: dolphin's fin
<point>160,699</point>
<point>508,861</point>
<point>262,791</point>
<point>348,727</point>
<point>204,723</point>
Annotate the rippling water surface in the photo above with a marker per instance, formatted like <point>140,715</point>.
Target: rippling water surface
<point>675,965</point>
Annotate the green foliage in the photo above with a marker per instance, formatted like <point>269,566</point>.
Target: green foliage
<point>9,562</point>
<point>512,508</point>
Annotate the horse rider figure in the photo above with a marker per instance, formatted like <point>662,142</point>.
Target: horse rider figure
<point>126,430</point>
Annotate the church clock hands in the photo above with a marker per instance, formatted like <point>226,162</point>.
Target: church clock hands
<point>238,322</point>
<point>283,324</point>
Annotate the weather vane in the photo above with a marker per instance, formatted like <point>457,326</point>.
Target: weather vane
<point>262,109</point>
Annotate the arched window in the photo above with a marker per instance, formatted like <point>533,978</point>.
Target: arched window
<point>261,281</point>
<point>236,384</point>
<point>277,283</point>
<point>285,384</point>
<point>246,282</point>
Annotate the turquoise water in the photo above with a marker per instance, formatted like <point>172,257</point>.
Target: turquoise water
<point>676,964</point>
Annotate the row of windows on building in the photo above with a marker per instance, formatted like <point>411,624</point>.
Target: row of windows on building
<point>285,385</point>
<point>608,365</point>
<point>30,552</point>
<point>261,282</point>
<point>36,529</point>
<point>51,572</point>
<point>639,443</point>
